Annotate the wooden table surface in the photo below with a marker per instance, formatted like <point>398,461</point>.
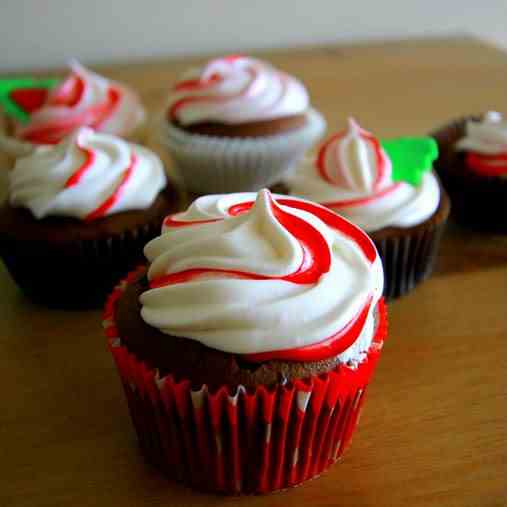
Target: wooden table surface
<point>434,427</point>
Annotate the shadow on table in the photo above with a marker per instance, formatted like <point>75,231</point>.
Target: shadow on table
<point>463,250</point>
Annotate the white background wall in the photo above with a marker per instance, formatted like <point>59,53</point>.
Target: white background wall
<point>42,33</point>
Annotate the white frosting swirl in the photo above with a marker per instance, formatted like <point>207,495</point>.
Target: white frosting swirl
<point>488,136</point>
<point>86,176</point>
<point>84,99</point>
<point>236,89</point>
<point>352,176</point>
<point>248,315</point>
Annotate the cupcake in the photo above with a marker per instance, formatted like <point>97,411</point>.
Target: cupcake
<point>246,346</point>
<point>237,124</point>
<point>388,189</point>
<point>78,215</point>
<point>82,99</point>
<point>473,168</point>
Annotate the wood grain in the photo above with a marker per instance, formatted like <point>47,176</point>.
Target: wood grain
<point>434,428</point>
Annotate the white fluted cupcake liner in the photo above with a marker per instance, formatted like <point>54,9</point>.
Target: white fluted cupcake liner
<point>208,164</point>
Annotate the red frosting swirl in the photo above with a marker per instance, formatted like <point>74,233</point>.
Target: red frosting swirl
<point>487,165</point>
<point>316,261</point>
<point>334,169</point>
<point>235,89</point>
<point>82,99</point>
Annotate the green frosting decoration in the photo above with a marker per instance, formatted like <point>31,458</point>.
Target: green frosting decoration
<point>7,86</point>
<point>411,157</point>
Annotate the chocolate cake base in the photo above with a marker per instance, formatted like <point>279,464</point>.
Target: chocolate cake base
<point>479,202</point>
<point>67,263</point>
<point>184,358</point>
<point>251,129</point>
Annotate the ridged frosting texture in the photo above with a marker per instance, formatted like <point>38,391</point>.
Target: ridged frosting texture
<point>248,274</point>
<point>487,136</point>
<point>88,175</point>
<point>234,90</point>
<point>352,175</point>
<point>84,99</point>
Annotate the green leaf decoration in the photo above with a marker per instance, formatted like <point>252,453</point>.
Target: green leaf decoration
<point>411,157</point>
<point>8,86</point>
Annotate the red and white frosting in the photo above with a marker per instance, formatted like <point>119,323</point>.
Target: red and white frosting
<point>267,277</point>
<point>486,145</point>
<point>352,175</point>
<point>88,176</point>
<point>83,99</point>
<point>235,89</point>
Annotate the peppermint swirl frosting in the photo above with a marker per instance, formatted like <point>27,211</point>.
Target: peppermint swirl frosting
<point>234,90</point>
<point>265,277</point>
<point>83,99</point>
<point>353,176</point>
<point>488,136</point>
<point>88,176</point>
<point>485,144</point>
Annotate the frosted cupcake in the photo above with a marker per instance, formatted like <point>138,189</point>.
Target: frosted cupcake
<point>78,215</point>
<point>237,124</point>
<point>82,99</point>
<point>246,347</point>
<point>473,168</point>
<point>388,189</point>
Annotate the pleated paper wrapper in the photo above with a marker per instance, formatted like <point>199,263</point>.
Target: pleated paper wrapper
<point>78,272</point>
<point>408,258</point>
<point>242,441</point>
<point>208,164</point>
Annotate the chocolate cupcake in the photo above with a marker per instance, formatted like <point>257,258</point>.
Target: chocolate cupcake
<point>473,168</point>
<point>237,124</point>
<point>78,216</point>
<point>82,99</point>
<point>386,188</point>
<point>246,347</point>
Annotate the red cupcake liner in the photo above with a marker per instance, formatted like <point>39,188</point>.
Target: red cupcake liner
<point>242,441</point>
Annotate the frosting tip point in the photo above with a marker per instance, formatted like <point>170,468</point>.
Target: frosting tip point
<point>353,125</point>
